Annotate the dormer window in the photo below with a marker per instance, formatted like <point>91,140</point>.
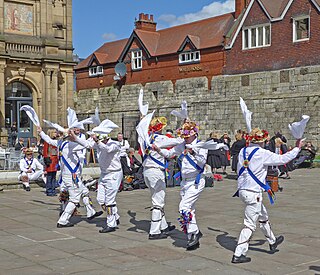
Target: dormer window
<point>95,71</point>
<point>189,57</point>
<point>136,60</point>
<point>301,29</point>
<point>256,37</point>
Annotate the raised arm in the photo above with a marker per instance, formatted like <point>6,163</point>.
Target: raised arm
<point>46,138</point>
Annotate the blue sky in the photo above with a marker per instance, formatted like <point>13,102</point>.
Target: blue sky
<point>98,21</point>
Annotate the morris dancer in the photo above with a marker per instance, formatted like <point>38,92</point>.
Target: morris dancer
<point>192,162</point>
<point>154,172</point>
<point>71,170</point>
<point>31,169</point>
<point>252,171</point>
<point>108,152</point>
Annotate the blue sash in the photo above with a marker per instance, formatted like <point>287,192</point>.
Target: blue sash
<point>29,164</point>
<point>147,154</point>
<point>73,171</point>
<point>192,162</point>
<point>245,166</point>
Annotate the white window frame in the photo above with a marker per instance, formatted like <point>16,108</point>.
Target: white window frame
<point>255,29</point>
<point>136,60</point>
<point>95,71</point>
<point>189,57</point>
<point>294,34</point>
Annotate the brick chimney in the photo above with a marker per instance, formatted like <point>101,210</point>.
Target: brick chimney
<point>146,23</point>
<point>240,6</point>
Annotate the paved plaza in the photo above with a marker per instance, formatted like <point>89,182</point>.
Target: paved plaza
<point>30,243</point>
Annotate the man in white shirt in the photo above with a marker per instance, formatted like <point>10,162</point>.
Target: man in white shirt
<point>31,169</point>
<point>111,175</point>
<point>154,172</point>
<point>252,172</point>
<point>192,162</point>
<point>71,170</point>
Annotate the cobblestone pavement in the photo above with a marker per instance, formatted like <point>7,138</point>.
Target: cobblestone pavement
<point>30,243</point>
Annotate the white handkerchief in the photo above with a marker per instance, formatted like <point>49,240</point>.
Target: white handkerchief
<point>31,113</point>
<point>143,128</point>
<point>105,127</point>
<point>246,114</point>
<point>55,125</point>
<point>143,108</point>
<point>183,113</point>
<point>297,128</point>
<point>210,145</point>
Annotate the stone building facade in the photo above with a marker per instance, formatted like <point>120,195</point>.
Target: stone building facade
<point>36,62</point>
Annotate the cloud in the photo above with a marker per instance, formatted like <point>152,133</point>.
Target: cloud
<point>109,36</point>
<point>213,9</point>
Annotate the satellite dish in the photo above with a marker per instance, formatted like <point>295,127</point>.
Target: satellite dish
<point>120,69</point>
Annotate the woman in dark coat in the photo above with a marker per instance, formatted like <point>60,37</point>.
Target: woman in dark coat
<point>235,150</point>
<point>214,156</point>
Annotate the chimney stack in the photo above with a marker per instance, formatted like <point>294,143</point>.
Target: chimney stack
<point>240,6</point>
<point>146,23</point>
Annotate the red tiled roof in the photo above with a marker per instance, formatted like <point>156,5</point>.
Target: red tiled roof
<point>108,53</point>
<point>275,7</point>
<point>205,33</point>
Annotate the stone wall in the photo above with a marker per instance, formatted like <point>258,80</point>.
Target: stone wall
<point>276,98</point>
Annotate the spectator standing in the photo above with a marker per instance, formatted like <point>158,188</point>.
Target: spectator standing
<point>235,150</point>
<point>51,159</point>
<point>14,133</point>
<point>123,151</point>
<point>20,145</point>
<point>171,162</point>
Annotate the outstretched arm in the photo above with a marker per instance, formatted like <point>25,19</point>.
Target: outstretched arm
<point>46,138</point>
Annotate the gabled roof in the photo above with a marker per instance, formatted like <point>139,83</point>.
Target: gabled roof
<point>193,40</point>
<point>107,53</point>
<point>275,10</point>
<point>206,33</point>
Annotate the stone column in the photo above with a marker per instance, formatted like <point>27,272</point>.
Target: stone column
<point>47,95</point>
<point>54,96</point>
<point>2,96</point>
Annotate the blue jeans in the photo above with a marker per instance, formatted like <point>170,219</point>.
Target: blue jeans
<point>51,183</point>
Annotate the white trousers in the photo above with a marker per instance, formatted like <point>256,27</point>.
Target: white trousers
<point>254,211</point>
<point>108,187</point>
<point>76,192</point>
<point>155,180</point>
<point>190,192</point>
<point>31,176</point>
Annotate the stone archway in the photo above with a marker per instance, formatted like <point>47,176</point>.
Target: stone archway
<point>18,124</point>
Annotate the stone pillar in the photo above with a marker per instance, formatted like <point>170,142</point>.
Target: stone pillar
<point>2,96</point>
<point>47,96</point>
<point>54,96</point>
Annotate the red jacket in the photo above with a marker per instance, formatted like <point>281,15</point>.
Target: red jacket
<point>50,151</point>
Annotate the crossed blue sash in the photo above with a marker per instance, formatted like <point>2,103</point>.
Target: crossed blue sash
<point>147,154</point>
<point>245,166</point>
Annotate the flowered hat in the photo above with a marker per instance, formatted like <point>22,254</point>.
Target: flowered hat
<point>28,151</point>
<point>257,136</point>
<point>188,129</point>
<point>157,124</point>
<point>102,136</point>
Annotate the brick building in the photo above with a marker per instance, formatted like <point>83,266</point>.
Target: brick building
<point>185,51</point>
<point>266,52</point>
<point>274,35</point>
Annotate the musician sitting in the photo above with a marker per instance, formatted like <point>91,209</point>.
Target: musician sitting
<point>307,153</point>
<point>30,169</point>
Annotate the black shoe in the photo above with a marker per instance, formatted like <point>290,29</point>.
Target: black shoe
<point>107,229</point>
<point>240,260</point>
<point>281,174</point>
<point>157,236</point>
<point>279,240</point>
<point>28,188</point>
<point>193,243</point>
<point>168,229</point>
<point>118,221</point>
<point>97,214</point>
<point>59,225</point>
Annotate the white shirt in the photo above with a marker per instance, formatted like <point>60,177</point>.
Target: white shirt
<point>124,147</point>
<point>70,152</point>
<point>187,170</point>
<point>33,163</point>
<point>159,140</point>
<point>108,154</point>
<point>259,165</point>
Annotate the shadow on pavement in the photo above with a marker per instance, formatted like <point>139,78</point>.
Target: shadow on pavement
<point>230,242</point>
<point>138,225</point>
<point>46,203</point>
